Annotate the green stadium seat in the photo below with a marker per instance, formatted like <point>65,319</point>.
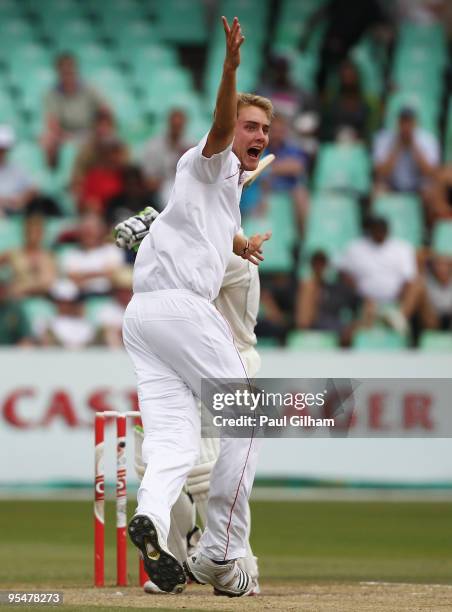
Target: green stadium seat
<point>94,305</point>
<point>333,221</point>
<point>343,167</point>
<point>436,342</point>
<point>267,343</point>
<point>11,232</point>
<point>404,215</point>
<point>293,20</point>
<point>442,238</point>
<point>378,339</point>
<point>142,61</point>
<point>279,218</point>
<point>312,340</point>
<point>38,310</point>
<point>71,34</point>
<point>190,25</point>
<point>138,33</point>
<point>29,156</point>
<point>14,33</point>
<point>53,228</point>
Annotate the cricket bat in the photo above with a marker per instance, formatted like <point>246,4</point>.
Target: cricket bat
<point>263,164</point>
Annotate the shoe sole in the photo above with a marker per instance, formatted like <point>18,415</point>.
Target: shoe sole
<point>163,569</point>
<point>216,591</point>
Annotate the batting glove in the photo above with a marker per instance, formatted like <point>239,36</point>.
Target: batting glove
<point>129,233</point>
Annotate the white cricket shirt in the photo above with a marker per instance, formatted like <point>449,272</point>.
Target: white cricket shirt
<point>190,243</point>
<point>379,270</point>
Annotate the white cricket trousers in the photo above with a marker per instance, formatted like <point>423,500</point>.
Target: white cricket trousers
<point>174,339</point>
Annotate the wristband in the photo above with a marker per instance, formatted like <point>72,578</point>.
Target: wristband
<point>246,248</point>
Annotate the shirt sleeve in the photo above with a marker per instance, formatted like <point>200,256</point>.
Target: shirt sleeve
<point>208,169</point>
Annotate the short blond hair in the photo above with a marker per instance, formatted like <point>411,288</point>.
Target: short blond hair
<point>248,99</point>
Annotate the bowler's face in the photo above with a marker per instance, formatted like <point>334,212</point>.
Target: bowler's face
<point>251,136</point>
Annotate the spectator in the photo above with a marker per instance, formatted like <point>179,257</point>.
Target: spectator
<point>276,307</point>
<point>440,202</point>
<point>348,107</point>
<point>287,172</point>
<point>33,266</point>
<point>104,180</point>
<point>160,157</point>
<point>439,292</point>
<point>70,107</point>
<point>133,197</point>
<point>288,99</point>
<point>110,317</point>
<point>16,190</point>
<point>383,272</point>
<point>14,325</point>
<point>92,265</point>
<point>103,132</point>
<point>405,159</point>
<point>68,328</point>
<point>322,303</point>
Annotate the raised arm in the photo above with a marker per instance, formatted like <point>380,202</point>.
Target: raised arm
<point>222,131</point>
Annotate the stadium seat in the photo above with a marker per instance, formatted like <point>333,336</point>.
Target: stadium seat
<point>94,305</point>
<point>189,26</point>
<point>378,339</point>
<point>11,232</point>
<point>292,21</point>
<point>38,310</point>
<point>332,223</point>
<point>442,238</point>
<point>29,155</point>
<point>312,340</point>
<point>404,215</point>
<point>436,341</point>
<point>279,218</point>
<point>343,167</point>
<point>14,33</point>
<point>266,343</point>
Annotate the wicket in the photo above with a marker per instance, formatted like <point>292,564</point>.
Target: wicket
<point>121,498</point>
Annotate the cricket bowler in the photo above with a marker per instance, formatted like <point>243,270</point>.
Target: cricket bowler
<point>176,337</point>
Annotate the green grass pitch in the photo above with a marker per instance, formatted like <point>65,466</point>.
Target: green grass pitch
<point>50,543</point>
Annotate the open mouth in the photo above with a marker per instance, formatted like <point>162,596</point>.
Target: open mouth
<point>254,152</point>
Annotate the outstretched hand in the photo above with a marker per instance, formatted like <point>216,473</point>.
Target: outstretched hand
<point>254,251</point>
<point>234,40</point>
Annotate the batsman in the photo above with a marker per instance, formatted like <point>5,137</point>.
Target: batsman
<point>176,337</point>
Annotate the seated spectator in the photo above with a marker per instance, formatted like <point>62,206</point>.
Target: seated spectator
<point>14,325</point>
<point>276,307</point>
<point>104,180</point>
<point>33,267</point>
<point>439,292</point>
<point>287,172</point>
<point>348,108</point>
<point>160,156</point>
<point>383,272</point>
<point>440,201</point>
<point>288,99</point>
<point>70,107</point>
<point>133,197</point>
<point>103,132</point>
<point>322,303</point>
<point>110,317</point>
<point>92,265</point>
<point>68,328</point>
<point>16,189</point>
<point>406,158</point>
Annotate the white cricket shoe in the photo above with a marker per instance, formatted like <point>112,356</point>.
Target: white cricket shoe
<point>227,579</point>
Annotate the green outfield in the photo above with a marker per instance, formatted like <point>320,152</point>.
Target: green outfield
<point>50,543</point>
